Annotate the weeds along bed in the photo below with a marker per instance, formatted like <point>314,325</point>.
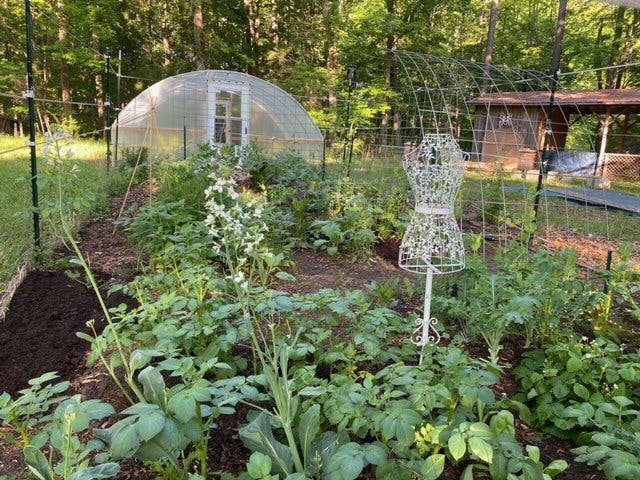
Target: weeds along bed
<point>332,381</point>
<point>86,187</point>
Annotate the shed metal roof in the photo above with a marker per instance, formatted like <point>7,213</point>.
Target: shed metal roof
<point>571,101</point>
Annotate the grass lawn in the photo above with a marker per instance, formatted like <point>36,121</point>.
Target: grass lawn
<point>86,186</point>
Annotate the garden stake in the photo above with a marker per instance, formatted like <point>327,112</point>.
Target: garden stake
<point>432,243</point>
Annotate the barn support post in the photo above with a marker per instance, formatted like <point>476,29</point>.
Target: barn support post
<point>29,94</point>
<point>604,133</point>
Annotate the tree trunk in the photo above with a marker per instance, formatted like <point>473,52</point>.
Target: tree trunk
<point>616,47</point>
<point>330,48</point>
<point>99,81</point>
<point>491,44</point>
<point>65,77</point>
<point>392,81</point>
<point>598,58</point>
<point>252,35</point>
<point>630,48</point>
<point>198,35</point>
<point>557,48</point>
<point>166,34</point>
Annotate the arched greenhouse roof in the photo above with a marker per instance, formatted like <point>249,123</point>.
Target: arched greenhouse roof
<point>177,114</point>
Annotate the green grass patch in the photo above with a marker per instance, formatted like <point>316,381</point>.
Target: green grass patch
<point>87,186</point>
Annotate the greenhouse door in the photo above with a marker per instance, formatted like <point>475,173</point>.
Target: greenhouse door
<point>223,133</point>
<point>229,112</point>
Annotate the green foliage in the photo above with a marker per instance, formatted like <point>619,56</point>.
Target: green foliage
<point>334,379</point>
<point>527,294</point>
<point>49,420</point>
<point>160,428</point>
<point>308,451</point>
<point>33,403</point>
<point>588,391</point>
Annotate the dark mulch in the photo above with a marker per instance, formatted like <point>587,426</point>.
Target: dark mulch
<point>39,332</point>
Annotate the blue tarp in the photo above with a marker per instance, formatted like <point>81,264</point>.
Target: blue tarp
<point>574,163</point>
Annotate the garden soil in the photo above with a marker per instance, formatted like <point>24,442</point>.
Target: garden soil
<point>39,335</point>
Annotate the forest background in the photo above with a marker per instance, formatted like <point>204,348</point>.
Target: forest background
<point>85,51</point>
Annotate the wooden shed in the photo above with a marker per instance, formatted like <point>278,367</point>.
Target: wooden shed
<point>509,127</point>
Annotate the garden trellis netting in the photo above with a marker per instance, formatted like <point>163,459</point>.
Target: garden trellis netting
<point>176,115</point>
<point>554,156</point>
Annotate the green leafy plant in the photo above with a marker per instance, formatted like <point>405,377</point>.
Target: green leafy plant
<point>169,420</point>
<point>307,450</point>
<point>487,448</point>
<point>46,418</point>
<point>34,402</point>
<point>385,293</point>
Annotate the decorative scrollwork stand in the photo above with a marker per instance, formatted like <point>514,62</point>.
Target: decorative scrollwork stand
<point>432,243</point>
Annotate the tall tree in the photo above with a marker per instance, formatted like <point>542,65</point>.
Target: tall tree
<point>65,86</point>
<point>198,33</point>
<point>559,42</point>
<point>491,43</point>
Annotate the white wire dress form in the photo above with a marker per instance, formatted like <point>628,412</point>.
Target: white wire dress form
<point>432,243</point>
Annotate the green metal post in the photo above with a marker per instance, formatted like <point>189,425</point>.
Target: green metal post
<point>32,129</point>
<point>107,106</point>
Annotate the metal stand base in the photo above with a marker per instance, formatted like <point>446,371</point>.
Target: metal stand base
<point>425,332</point>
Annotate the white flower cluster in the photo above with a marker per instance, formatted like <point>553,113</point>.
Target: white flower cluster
<point>236,226</point>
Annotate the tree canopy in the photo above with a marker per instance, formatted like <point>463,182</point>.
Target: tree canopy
<point>304,46</point>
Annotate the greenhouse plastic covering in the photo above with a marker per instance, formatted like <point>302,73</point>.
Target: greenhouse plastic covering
<point>176,115</point>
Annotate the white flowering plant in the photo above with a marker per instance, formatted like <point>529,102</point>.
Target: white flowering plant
<point>236,225</point>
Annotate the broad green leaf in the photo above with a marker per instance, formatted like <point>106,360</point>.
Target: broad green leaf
<point>499,467</point>
<point>481,449</point>
<point>468,473</point>
<point>97,409</point>
<point>481,430</point>
<point>432,467</point>
<point>285,277</point>
<point>556,467</point>
<point>183,406</point>
<point>628,373</point>
<point>581,391</point>
<point>533,452</point>
<point>312,391</point>
<point>308,428</point>
<point>346,463</point>
<point>44,378</point>
<point>602,438</point>
<point>259,465</point>
<point>560,390</point>
<point>258,437</point>
<point>153,385</point>
<point>375,453</point>
<point>532,470</point>
<point>405,433</point>
<point>574,364</point>
<point>140,359</point>
<point>623,401</point>
<point>503,422</point>
<point>37,463</point>
<point>106,470</point>
<point>623,467</point>
<point>148,426</point>
<point>124,442</point>
<point>457,446</point>
<point>171,437</point>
